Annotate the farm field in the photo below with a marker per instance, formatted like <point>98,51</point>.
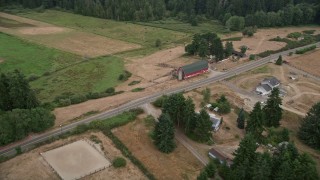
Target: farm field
<point>260,41</point>
<point>180,164</point>
<point>125,31</point>
<point>94,75</point>
<point>23,166</point>
<point>32,59</point>
<point>308,62</point>
<point>175,25</point>
<point>66,39</point>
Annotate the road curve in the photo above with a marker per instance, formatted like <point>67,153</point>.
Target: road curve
<point>138,102</point>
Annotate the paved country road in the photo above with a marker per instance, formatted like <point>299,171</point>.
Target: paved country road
<point>10,150</point>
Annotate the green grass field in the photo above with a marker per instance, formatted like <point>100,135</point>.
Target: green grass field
<point>32,59</point>
<point>94,75</point>
<point>126,31</point>
<point>175,25</point>
<point>66,72</point>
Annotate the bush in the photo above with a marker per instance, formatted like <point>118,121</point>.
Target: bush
<point>304,50</point>
<point>160,101</point>
<point>137,111</point>
<point>243,49</point>
<point>75,99</point>
<point>110,90</point>
<point>81,129</point>
<point>92,95</point>
<point>252,57</point>
<point>33,77</point>
<point>64,102</point>
<point>294,35</point>
<point>119,162</point>
<point>134,83</point>
<point>125,76</point>
<point>158,43</point>
<point>309,31</point>
<point>137,89</point>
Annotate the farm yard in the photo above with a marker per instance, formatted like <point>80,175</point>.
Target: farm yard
<point>23,166</point>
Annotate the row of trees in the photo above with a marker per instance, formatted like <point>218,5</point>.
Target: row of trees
<point>209,44</point>
<point>284,163</point>
<point>278,12</point>
<point>176,110</point>
<point>20,111</point>
<point>261,117</point>
<point>18,123</point>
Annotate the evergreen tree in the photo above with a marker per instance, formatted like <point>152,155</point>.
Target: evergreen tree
<point>174,106</point>
<point>211,169</point>
<point>262,168</point>
<point>273,109</point>
<point>305,168</point>
<point>203,128</point>
<point>217,49</point>
<point>189,116</point>
<point>241,119</point>
<point>255,122</point>
<point>228,49</point>
<point>164,134</point>
<point>5,100</point>
<point>309,130</point>
<point>246,151</point>
<point>279,61</point>
<point>203,176</point>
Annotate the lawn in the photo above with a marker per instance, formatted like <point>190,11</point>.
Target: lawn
<point>32,59</point>
<point>175,25</point>
<point>94,75</point>
<point>126,31</point>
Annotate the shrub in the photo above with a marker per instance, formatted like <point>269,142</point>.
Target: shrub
<point>252,57</point>
<point>137,111</point>
<point>294,35</point>
<point>33,77</point>
<point>304,50</point>
<point>134,83</point>
<point>309,31</point>
<point>110,90</point>
<point>158,43</point>
<point>243,49</point>
<point>81,129</point>
<point>46,73</point>
<point>92,95</point>
<point>137,89</point>
<point>159,102</point>
<point>75,99</point>
<point>119,162</point>
<point>18,150</point>
<point>64,102</point>
<point>125,76</point>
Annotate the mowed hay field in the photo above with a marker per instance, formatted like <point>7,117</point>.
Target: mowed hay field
<point>125,31</point>
<point>66,39</point>
<point>56,71</point>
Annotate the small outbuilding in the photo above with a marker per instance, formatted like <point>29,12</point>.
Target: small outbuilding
<point>193,69</point>
<point>217,155</point>
<point>238,54</point>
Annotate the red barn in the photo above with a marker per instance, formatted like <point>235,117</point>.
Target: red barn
<point>192,70</point>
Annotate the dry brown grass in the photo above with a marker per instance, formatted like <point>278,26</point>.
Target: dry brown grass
<point>31,165</point>
<point>309,62</point>
<point>66,39</point>
<point>180,164</point>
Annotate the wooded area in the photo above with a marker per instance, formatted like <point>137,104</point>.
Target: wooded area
<point>255,12</point>
<point>20,111</point>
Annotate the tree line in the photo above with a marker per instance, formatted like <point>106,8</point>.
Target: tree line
<point>272,12</point>
<point>20,111</point>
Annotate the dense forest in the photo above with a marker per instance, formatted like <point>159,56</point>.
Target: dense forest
<point>262,13</point>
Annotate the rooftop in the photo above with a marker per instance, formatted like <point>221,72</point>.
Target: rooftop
<point>197,66</point>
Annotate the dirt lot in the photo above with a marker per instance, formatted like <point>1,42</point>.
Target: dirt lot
<point>260,41</point>
<point>81,43</point>
<point>31,164</point>
<point>302,93</point>
<point>308,62</point>
<point>180,164</point>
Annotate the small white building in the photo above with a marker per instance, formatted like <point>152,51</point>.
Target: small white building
<point>216,122</point>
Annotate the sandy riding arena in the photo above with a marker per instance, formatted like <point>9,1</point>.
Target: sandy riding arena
<point>76,160</point>
<point>65,39</point>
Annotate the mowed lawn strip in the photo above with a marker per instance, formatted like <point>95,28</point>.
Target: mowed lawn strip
<point>126,31</point>
<point>94,75</point>
<point>30,58</point>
